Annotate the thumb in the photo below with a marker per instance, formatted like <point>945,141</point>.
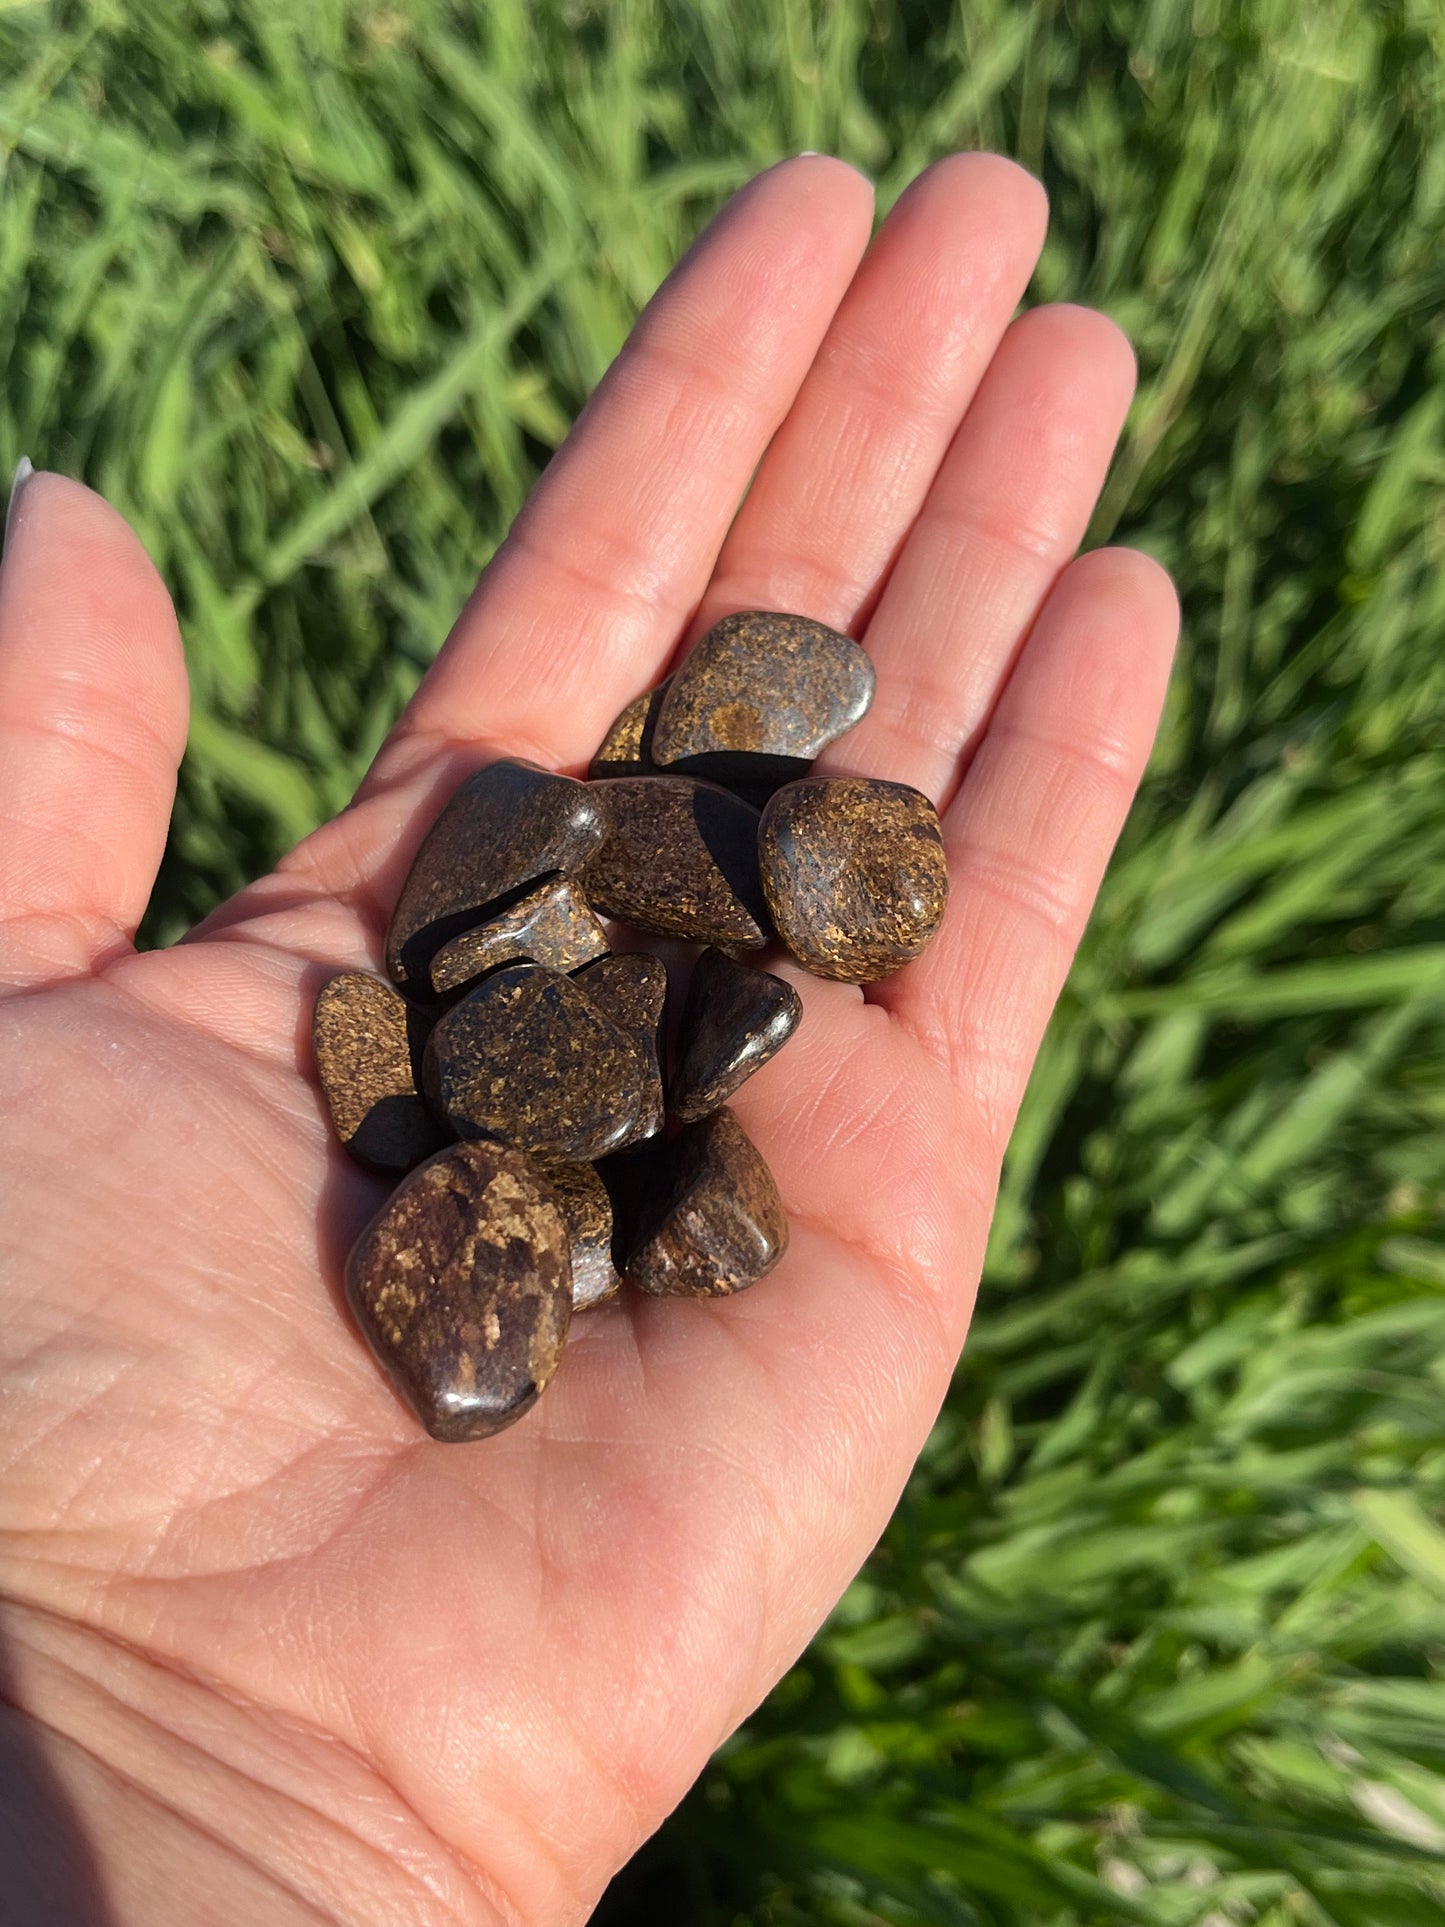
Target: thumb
<point>93,711</point>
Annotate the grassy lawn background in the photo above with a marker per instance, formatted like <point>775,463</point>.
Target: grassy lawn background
<point>1158,1633</point>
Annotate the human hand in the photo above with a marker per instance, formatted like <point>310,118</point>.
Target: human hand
<point>288,1659</point>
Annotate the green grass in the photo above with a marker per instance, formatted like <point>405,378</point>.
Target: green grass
<point>1158,1633</point>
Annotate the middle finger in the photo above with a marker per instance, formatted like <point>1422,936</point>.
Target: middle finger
<point>850,467</point>
<point>1007,511</point>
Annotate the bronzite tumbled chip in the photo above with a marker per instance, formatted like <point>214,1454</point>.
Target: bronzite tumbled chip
<point>680,860</point>
<point>508,825</point>
<point>588,1211</point>
<point>365,1039</point>
<point>735,1019</point>
<point>462,1284</point>
<point>552,925</point>
<point>761,692</point>
<point>855,874</point>
<point>632,990</point>
<point>715,1223</point>
<point>626,749</point>
<point>529,1059</point>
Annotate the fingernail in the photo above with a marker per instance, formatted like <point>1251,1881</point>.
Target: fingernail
<point>23,472</point>
<point>809,154</point>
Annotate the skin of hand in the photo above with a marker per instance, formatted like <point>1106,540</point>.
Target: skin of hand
<point>277,1655</point>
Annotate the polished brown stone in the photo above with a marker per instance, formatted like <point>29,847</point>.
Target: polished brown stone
<point>761,692</point>
<point>507,825</point>
<point>626,749</point>
<point>632,990</point>
<point>716,1223</point>
<point>462,1284</point>
<point>588,1211</point>
<point>680,861</point>
<point>734,1020</point>
<point>855,874</point>
<point>552,925</point>
<point>366,1038</point>
<point>529,1059</point>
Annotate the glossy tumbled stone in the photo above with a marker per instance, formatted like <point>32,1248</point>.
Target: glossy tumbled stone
<point>626,749</point>
<point>364,1036</point>
<point>529,1059</point>
<point>462,1284</point>
<point>761,689</point>
<point>734,1020</point>
<point>632,990</point>
<point>553,925</point>
<point>588,1211</point>
<point>680,860</point>
<point>715,1224</point>
<point>507,825</point>
<point>855,874</point>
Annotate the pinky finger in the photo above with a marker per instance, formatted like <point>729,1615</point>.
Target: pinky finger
<point>1031,830</point>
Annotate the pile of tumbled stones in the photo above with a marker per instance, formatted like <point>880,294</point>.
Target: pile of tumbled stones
<point>511,1074</point>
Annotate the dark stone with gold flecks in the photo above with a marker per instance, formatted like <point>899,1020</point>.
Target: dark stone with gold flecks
<point>716,1223</point>
<point>529,1059</point>
<point>366,1038</point>
<point>855,874</point>
<point>626,749</point>
<point>507,825</point>
<point>734,1020</point>
<point>680,861</point>
<point>552,925</point>
<point>761,693</point>
<point>632,990</point>
<point>588,1211</point>
<point>462,1284</point>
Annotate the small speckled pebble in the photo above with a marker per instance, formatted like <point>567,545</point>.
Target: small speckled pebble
<point>588,1211</point>
<point>507,825</point>
<point>758,688</point>
<point>365,1038</point>
<point>681,861</point>
<point>632,990</point>
<point>529,1059</point>
<point>462,1284</point>
<point>735,1019</point>
<point>552,925</point>
<point>855,874</point>
<point>626,749</point>
<point>715,1224</point>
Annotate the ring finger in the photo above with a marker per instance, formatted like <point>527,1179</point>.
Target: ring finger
<point>1008,509</point>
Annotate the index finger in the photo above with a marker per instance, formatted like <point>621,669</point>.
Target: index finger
<point>585,599</point>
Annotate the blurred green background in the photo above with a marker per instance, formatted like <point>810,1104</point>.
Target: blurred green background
<point>1158,1633</point>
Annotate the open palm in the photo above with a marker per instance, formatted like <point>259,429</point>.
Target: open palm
<point>290,1659</point>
